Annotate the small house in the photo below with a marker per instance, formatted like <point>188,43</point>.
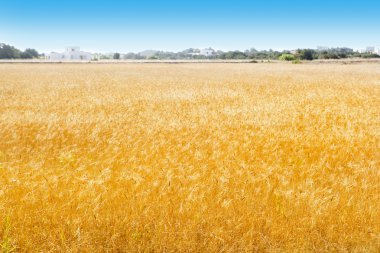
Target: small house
<point>70,54</point>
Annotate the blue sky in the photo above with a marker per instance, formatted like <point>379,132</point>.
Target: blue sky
<point>124,26</point>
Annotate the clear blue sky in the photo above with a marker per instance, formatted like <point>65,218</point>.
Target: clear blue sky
<point>135,25</point>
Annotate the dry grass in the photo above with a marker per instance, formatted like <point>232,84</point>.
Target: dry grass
<point>190,158</point>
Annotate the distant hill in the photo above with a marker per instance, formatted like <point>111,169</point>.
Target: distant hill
<point>148,53</point>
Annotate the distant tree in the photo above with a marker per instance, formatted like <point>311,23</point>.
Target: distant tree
<point>128,56</point>
<point>369,55</point>
<point>233,55</point>
<point>116,56</point>
<point>9,52</point>
<point>133,56</point>
<point>306,54</point>
<point>253,53</point>
<point>328,55</point>
<point>29,54</point>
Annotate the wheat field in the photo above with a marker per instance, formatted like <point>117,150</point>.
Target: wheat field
<point>190,157</point>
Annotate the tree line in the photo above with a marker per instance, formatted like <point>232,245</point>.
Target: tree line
<point>332,53</point>
<point>253,54</point>
<point>10,52</point>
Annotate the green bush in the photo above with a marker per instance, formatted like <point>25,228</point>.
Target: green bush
<point>287,57</point>
<point>306,54</point>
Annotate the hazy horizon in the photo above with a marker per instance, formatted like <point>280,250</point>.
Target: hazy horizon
<point>116,26</point>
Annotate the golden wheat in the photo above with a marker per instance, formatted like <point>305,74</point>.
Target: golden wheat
<point>190,158</point>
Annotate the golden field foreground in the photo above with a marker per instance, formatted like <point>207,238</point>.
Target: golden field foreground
<point>190,157</point>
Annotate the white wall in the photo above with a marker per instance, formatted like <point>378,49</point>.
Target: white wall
<point>55,56</point>
<point>77,55</point>
<point>71,53</point>
<point>207,52</point>
<point>370,49</point>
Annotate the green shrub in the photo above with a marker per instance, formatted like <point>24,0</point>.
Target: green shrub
<point>287,57</point>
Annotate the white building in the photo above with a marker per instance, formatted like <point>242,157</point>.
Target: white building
<point>70,54</point>
<point>370,50</point>
<point>207,52</point>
